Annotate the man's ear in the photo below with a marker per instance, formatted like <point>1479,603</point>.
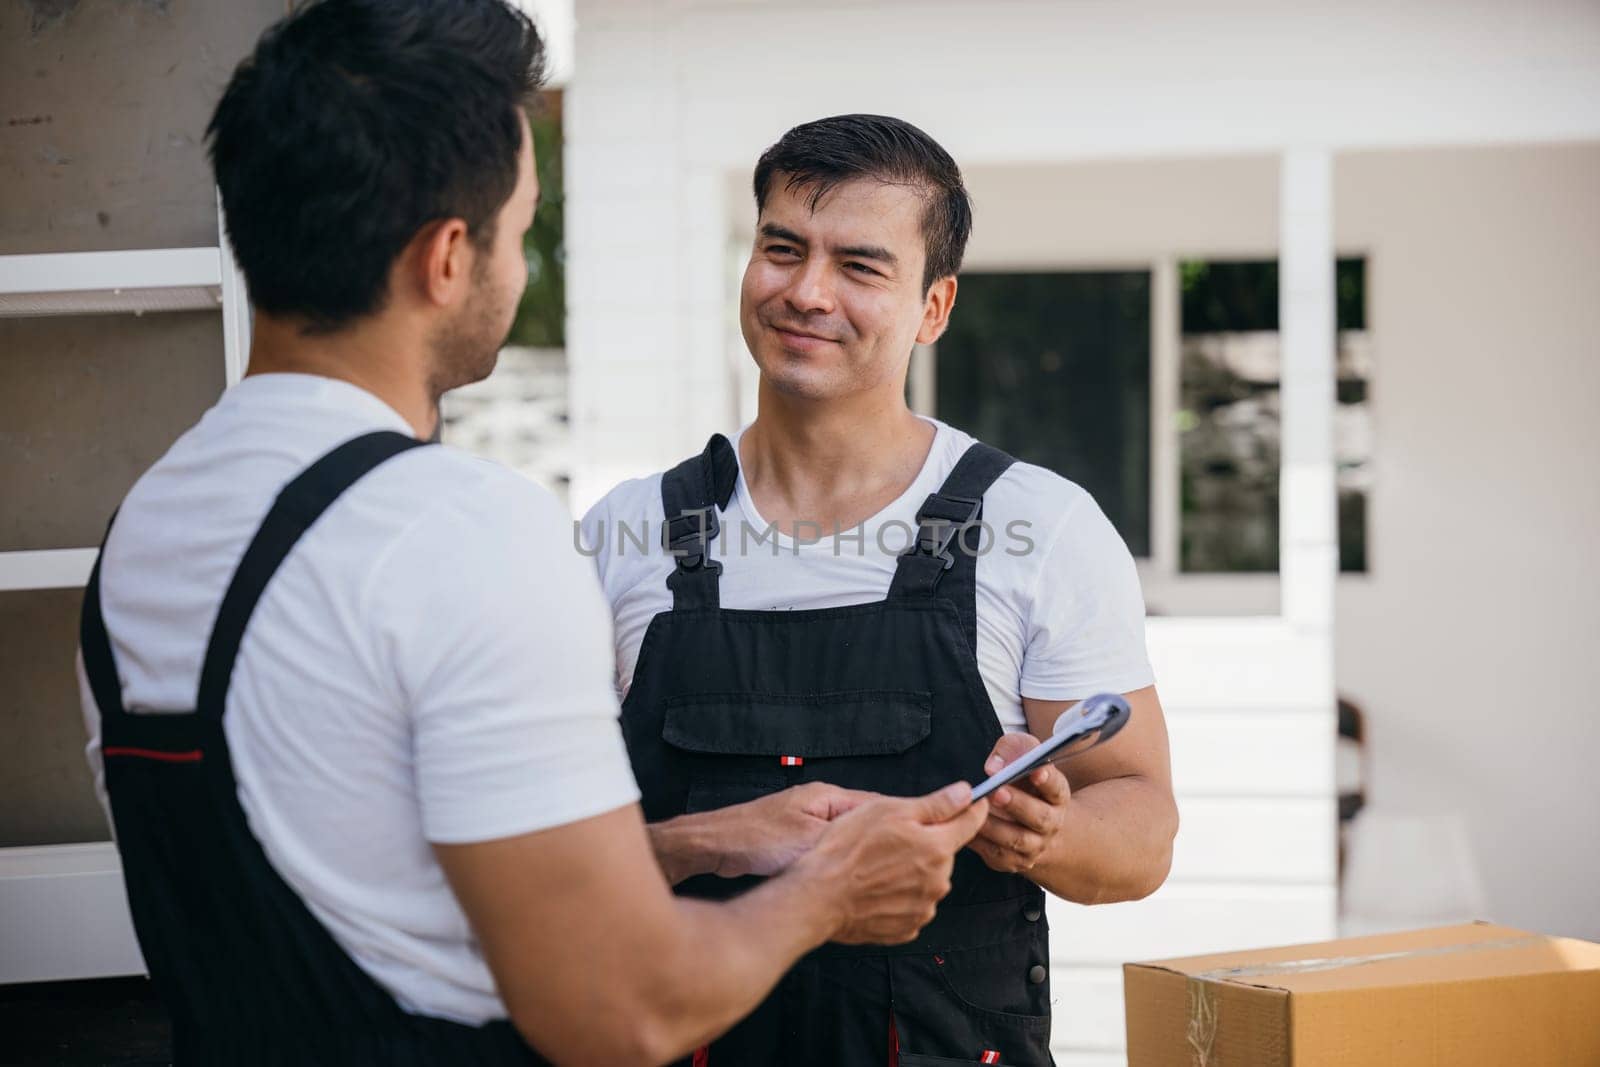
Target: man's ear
<point>440,261</point>
<point>941,300</point>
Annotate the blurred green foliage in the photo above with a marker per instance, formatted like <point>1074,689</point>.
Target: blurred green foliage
<point>542,314</point>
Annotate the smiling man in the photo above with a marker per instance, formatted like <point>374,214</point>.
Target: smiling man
<point>848,593</point>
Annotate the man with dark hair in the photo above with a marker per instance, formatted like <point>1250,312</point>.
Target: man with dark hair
<point>849,593</point>
<point>348,695</point>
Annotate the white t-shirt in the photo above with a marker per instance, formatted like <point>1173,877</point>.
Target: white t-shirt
<point>1060,613</point>
<point>431,663</point>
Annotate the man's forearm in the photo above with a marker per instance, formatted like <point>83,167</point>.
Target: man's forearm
<point>1116,846</point>
<point>688,845</point>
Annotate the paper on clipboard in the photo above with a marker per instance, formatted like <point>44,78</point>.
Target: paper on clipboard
<point>1101,715</point>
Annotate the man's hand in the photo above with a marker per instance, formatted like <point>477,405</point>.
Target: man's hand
<point>886,863</point>
<point>765,836</point>
<point>1026,816</point>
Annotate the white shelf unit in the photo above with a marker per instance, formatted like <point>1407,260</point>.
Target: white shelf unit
<point>63,912</point>
<point>58,568</point>
<point>94,283</point>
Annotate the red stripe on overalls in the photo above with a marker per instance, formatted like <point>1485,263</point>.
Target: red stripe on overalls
<point>194,755</point>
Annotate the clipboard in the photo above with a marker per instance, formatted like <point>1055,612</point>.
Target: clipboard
<point>1099,716</point>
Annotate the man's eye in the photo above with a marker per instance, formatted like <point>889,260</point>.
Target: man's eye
<point>860,268</point>
<point>781,250</point>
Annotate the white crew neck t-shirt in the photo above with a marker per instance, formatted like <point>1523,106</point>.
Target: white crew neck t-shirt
<point>431,663</point>
<point>1059,609</point>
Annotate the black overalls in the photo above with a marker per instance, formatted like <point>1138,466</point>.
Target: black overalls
<point>728,705</point>
<point>247,972</point>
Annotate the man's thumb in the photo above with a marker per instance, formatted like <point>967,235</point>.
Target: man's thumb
<point>945,804</point>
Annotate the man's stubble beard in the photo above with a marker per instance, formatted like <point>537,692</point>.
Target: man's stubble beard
<point>466,349</point>
<point>843,378</point>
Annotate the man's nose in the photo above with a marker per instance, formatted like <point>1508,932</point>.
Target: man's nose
<point>811,290</point>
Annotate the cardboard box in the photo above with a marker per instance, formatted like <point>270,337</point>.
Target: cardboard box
<point>1456,996</point>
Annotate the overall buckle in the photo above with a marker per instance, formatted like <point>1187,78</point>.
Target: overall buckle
<point>688,536</point>
<point>941,519</point>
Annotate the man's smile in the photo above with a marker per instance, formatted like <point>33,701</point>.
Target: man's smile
<point>800,340</point>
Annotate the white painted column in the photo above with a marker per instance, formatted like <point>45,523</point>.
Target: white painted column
<point>1308,503</point>
<point>1166,328</point>
<point>1308,528</point>
<point>628,334</point>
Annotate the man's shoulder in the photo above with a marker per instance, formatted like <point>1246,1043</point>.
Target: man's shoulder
<point>632,501</point>
<point>1024,491</point>
<point>467,496</point>
<point>1037,491</point>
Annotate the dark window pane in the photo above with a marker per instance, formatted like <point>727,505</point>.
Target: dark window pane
<point>1350,288</point>
<point>1229,297</point>
<point>1352,531</point>
<point>1055,369</point>
<point>1236,297</point>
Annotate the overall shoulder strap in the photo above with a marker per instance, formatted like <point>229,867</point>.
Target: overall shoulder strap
<point>99,664</point>
<point>297,507</point>
<point>943,561</point>
<point>691,495</point>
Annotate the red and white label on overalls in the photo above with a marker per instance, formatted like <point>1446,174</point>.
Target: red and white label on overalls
<point>791,761</point>
<point>990,1056</point>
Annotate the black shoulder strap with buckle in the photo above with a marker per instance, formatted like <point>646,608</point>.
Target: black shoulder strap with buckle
<point>943,561</point>
<point>691,495</point>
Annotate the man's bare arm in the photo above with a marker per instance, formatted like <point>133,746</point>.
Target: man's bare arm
<point>758,837</point>
<point>1100,828</point>
<point>598,963</point>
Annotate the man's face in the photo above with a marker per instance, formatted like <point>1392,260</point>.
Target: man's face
<point>467,344</point>
<point>832,299</point>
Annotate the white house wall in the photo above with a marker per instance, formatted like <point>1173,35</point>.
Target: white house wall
<point>1472,642</point>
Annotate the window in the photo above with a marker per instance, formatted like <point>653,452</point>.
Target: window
<point>1055,369</point>
<point>1228,419</point>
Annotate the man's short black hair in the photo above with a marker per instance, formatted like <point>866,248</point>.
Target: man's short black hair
<point>354,124</point>
<point>819,155</point>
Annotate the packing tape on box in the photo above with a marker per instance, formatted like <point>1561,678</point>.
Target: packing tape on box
<point>1202,1028</point>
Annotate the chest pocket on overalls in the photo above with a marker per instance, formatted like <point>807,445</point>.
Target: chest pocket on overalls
<point>737,747</point>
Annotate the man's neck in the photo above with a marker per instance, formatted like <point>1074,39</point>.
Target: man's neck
<point>363,356</point>
<point>833,463</point>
